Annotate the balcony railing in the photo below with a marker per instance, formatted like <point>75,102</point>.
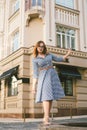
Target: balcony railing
<point>67,16</point>
<point>34,8</point>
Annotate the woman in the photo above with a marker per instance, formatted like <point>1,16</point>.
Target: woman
<point>46,78</point>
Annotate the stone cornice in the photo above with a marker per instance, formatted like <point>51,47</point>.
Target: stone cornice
<point>67,9</point>
<point>16,54</point>
<point>28,51</point>
<point>79,54</point>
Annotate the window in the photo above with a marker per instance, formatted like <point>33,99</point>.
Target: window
<point>39,2</point>
<point>66,3</point>
<point>36,2</point>
<point>67,85</point>
<point>15,41</point>
<point>12,86</point>
<point>15,6</point>
<point>65,38</point>
<point>32,3</point>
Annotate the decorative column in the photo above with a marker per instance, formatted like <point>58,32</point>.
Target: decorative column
<point>1,27</point>
<point>49,27</point>
<point>3,94</point>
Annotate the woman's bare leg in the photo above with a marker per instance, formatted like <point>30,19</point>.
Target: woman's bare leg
<point>46,107</point>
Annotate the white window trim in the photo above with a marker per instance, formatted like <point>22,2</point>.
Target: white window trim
<point>66,46</point>
<point>13,46</point>
<point>13,6</point>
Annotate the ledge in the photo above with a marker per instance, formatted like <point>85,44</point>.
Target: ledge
<point>16,13</point>
<point>64,51</point>
<point>28,51</point>
<point>67,9</point>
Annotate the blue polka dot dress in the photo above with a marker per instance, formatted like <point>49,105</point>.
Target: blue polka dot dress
<point>48,86</point>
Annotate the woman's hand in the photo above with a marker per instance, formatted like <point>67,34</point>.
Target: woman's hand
<point>34,85</point>
<point>67,54</point>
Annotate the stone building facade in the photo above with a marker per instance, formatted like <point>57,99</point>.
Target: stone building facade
<point>61,24</point>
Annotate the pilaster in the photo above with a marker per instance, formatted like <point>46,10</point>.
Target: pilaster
<point>22,23</point>
<point>3,94</point>
<point>49,27</point>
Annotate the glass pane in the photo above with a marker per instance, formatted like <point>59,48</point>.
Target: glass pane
<point>16,41</point>
<point>68,41</point>
<point>17,5</point>
<point>16,91</point>
<point>33,2</point>
<point>61,2</point>
<point>72,32</point>
<point>73,42</point>
<point>39,2</point>
<point>69,87</point>
<point>58,40</point>
<point>67,3</point>
<point>12,86</point>
<point>63,84</point>
<point>63,41</point>
<point>62,79</point>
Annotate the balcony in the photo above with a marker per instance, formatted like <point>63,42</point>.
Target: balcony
<point>34,9</point>
<point>67,16</point>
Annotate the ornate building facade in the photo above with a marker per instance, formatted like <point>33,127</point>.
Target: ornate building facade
<point>61,24</point>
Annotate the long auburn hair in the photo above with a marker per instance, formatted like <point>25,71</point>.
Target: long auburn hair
<point>35,52</point>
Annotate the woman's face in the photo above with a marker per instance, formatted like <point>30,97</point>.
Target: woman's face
<point>40,48</point>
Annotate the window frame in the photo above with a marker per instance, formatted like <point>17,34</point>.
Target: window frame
<point>64,80</point>
<point>11,88</point>
<point>13,5</point>
<point>66,35</point>
<point>15,41</point>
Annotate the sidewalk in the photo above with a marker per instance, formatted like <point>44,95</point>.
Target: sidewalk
<point>15,120</point>
<point>33,124</point>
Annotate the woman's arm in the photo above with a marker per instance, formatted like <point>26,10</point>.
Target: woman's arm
<point>34,85</point>
<point>65,57</point>
<point>35,75</point>
<point>61,58</point>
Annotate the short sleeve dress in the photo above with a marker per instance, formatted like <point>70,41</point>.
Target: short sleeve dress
<point>48,86</point>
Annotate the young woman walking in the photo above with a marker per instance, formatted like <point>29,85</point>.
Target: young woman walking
<point>46,81</point>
